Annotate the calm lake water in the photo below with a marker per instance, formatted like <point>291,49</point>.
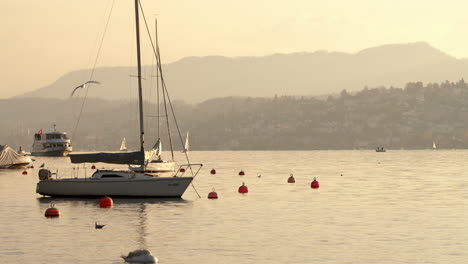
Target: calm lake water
<point>394,207</point>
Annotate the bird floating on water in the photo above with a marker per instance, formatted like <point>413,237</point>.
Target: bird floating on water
<point>96,226</point>
<point>83,86</point>
<point>259,175</point>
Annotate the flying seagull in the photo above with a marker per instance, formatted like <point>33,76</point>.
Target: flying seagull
<point>83,86</point>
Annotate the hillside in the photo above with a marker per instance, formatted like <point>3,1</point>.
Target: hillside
<point>411,117</point>
<point>195,79</point>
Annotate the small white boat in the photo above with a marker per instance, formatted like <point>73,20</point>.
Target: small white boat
<point>154,162</point>
<point>434,145</point>
<point>140,256</point>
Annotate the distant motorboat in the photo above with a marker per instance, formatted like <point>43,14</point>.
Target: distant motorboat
<point>22,152</point>
<point>10,159</point>
<point>380,149</point>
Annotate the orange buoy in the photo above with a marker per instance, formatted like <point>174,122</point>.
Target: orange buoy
<point>213,195</point>
<point>291,179</point>
<point>213,171</point>
<point>106,202</point>
<point>25,172</point>
<point>93,167</point>
<point>243,188</point>
<point>182,170</point>
<point>52,212</point>
<point>314,184</point>
<point>241,173</point>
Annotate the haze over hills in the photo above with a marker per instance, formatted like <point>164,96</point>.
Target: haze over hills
<point>411,117</point>
<point>195,79</point>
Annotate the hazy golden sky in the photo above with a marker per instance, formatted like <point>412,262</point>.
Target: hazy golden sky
<point>42,40</point>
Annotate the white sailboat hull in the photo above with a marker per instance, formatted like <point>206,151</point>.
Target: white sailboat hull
<point>156,166</point>
<point>153,187</point>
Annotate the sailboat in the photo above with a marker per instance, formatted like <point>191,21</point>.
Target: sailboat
<point>155,163</point>
<point>123,145</point>
<point>186,145</point>
<point>434,145</point>
<point>124,183</point>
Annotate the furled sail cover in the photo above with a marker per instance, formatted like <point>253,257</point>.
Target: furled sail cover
<point>132,158</point>
<point>10,158</point>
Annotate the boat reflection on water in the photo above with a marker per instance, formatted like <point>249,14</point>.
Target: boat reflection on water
<point>130,216</point>
<point>78,201</point>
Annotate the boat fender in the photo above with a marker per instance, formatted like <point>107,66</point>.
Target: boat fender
<point>44,174</point>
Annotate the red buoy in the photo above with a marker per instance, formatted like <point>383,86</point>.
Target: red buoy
<point>314,184</point>
<point>243,188</point>
<point>291,179</point>
<point>25,172</point>
<point>241,173</point>
<point>93,167</point>
<point>106,202</point>
<point>213,171</point>
<point>213,195</point>
<point>32,166</point>
<point>52,212</point>
<point>182,170</point>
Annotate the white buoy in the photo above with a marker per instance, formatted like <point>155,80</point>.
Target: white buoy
<point>140,256</point>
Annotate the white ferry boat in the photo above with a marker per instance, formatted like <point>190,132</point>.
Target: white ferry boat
<point>51,144</point>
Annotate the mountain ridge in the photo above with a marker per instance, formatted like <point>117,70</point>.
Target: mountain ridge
<point>195,79</point>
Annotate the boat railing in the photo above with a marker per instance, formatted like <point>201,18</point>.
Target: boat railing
<point>194,168</point>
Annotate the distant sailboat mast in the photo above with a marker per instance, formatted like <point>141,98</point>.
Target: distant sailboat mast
<point>123,146</point>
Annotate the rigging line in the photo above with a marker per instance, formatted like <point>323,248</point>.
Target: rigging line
<point>163,84</point>
<point>159,72</point>
<point>158,59</point>
<point>151,86</point>
<point>167,122</point>
<point>94,68</point>
<point>195,189</point>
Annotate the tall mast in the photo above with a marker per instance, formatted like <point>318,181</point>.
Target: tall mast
<point>140,92</point>
<point>163,87</point>
<point>157,77</point>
